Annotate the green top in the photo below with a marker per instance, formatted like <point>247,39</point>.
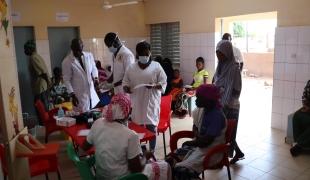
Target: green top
<point>37,68</point>
<point>198,77</point>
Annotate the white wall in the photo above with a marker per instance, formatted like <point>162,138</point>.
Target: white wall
<point>291,72</point>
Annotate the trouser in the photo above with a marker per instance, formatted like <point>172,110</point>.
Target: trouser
<point>231,113</point>
<point>44,98</point>
<point>152,143</point>
<point>301,130</point>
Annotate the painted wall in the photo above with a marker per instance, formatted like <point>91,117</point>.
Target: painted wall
<point>199,15</point>
<point>260,64</point>
<point>92,19</point>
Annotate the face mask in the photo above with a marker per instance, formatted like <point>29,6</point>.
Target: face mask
<point>112,49</point>
<point>144,59</point>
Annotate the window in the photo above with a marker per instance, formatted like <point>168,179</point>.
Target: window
<point>165,41</point>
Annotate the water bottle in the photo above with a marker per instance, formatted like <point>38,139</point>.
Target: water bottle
<point>60,113</point>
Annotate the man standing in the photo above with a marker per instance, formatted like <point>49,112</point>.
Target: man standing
<point>145,81</point>
<point>237,53</point>
<point>122,59</point>
<point>80,75</point>
<point>39,73</point>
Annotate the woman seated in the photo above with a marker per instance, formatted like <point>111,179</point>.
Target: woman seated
<point>117,148</point>
<point>209,129</point>
<point>58,92</point>
<point>201,75</point>
<point>176,85</point>
<point>301,124</point>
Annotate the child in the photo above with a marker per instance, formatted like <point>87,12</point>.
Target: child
<point>201,75</point>
<point>176,85</point>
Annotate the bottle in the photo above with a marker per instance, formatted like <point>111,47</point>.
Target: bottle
<point>60,112</point>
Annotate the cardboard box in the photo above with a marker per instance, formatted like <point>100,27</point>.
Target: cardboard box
<point>65,121</point>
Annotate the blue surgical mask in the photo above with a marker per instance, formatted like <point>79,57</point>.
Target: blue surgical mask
<point>112,49</point>
<point>144,59</point>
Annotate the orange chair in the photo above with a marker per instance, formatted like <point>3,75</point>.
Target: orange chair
<point>165,117</point>
<point>43,162</point>
<point>47,118</point>
<point>221,148</point>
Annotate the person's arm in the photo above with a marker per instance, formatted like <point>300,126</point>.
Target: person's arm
<point>38,64</point>
<point>180,84</point>
<point>67,77</point>
<point>205,77</point>
<point>135,165</point>
<point>126,82</point>
<point>161,80</point>
<point>133,154</point>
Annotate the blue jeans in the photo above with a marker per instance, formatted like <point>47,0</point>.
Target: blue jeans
<point>152,143</point>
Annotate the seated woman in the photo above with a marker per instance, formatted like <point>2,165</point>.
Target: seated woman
<point>58,92</point>
<point>118,151</point>
<point>176,85</point>
<point>209,129</point>
<point>201,75</point>
<point>117,147</point>
<point>301,124</point>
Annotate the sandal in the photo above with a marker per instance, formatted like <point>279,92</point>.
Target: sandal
<point>236,158</point>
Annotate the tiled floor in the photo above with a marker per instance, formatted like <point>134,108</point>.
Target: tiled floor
<point>267,157</point>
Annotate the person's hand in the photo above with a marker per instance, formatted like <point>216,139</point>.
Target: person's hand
<point>127,89</point>
<point>96,83</point>
<point>149,155</point>
<point>75,100</point>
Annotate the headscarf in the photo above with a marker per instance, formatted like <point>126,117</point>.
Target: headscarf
<point>209,92</point>
<point>306,94</point>
<point>225,73</point>
<point>30,44</point>
<point>119,107</point>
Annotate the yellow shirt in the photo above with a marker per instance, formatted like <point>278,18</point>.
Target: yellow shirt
<point>38,68</point>
<point>198,77</point>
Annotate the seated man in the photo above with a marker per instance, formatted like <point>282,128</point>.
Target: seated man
<point>117,147</point>
<point>301,124</point>
<point>209,129</point>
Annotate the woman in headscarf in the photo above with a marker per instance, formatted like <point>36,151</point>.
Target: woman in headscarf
<point>228,78</point>
<point>117,147</point>
<point>301,124</point>
<point>209,129</point>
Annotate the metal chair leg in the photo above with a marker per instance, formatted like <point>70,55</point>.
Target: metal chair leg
<point>228,172</point>
<point>164,144</point>
<point>170,130</point>
<point>58,174</point>
<point>46,176</point>
<point>203,175</point>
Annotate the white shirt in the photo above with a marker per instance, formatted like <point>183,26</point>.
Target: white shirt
<point>121,62</point>
<point>115,144</point>
<point>238,55</point>
<point>145,102</point>
<point>79,80</point>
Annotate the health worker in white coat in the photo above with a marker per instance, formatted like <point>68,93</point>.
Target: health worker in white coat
<point>80,76</point>
<point>121,60</point>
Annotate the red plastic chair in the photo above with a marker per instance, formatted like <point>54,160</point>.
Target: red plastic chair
<point>47,118</point>
<point>221,148</point>
<point>42,163</point>
<point>165,117</point>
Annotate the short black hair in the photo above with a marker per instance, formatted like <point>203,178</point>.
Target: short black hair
<point>109,38</point>
<point>200,59</point>
<point>226,36</point>
<point>142,46</point>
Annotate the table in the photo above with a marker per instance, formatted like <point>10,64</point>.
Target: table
<point>79,140</point>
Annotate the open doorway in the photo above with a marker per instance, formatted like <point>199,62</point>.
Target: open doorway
<point>254,35</point>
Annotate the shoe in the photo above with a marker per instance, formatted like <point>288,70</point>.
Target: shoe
<point>296,150</point>
<point>236,158</point>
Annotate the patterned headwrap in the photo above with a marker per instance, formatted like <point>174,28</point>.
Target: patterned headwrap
<point>306,94</point>
<point>119,107</point>
<point>30,44</point>
<point>209,92</point>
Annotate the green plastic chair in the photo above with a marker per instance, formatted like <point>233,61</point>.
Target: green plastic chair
<point>84,166</point>
<point>134,176</point>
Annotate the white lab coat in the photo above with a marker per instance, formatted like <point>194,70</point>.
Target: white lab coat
<point>121,62</point>
<point>238,55</point>
<point>79,81</point>
<point>145,102</point>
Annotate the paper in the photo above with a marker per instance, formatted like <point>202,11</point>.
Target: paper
<point>188,86</point>
<point>141,135</point>
<point>143,85</point>
<point>62,17</point>
<point>84,132</point>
